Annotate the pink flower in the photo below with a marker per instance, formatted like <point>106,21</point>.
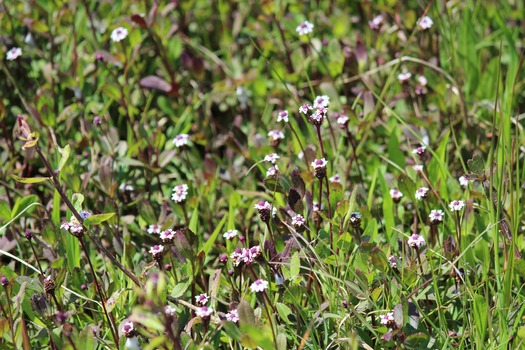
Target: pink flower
<point>272,157</point>
<point>304,28</point>
<point>232,316</point>
<point>396,194</point>
<point>276,135</point>
<point>319,163</point>
<point>119,34</point>
<point>272,171</point>
<point>282,116</point>
<point>456,205</point>
<point>263,205</point>
<point>416,241</point>
<point>305,108</point>
<point>259,286</point>
<point>336,179</point>
<point>425,23</point>
<point>298,220</point>
<point>421,193</point>
<point>403,77</point>
<point>376,22</point>
<point>417,168</point>
<point>204,312</point>
<point>201,299</point>
<point>436,216</point>
<point>321,101</point>
<point>230,234</point>
<point>419,150</point>
<point>392,260</point>
<point>386,319</point>
<point>13,54</point>
<point>181,140</point>
<point>154,229</point>
<point>156,249</point>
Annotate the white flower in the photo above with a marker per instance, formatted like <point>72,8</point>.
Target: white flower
<point>181,140</point>
<point>204,311</point>
<point>298,220</point>
<point>376,22</point>
<point>123,187</point>
<point>154,229</point>
<point>396,194</point>
<point>272,157</point>
<point>321,101</point>
<point>305,108</point>
<point>336,178</point>
<point>436,216</point>
<point>128,327</point>
<point>230,234</point>
<point>276,135</point>
<point>385,319</point>
<point>232,316</point>
<point>180,188</point>
<point>201,299</point>
<point>259,286</point>
<point>403,77</point>
<point>119,34</point>
<point>421,193</point>
<point>456,205</point>
<point>417,168</point>
<point>319,163</point>
<point>167,235</point>
<point>422,80</point>
<point>416,241</point>
<point>170,310</point>
<point>13,54</point>
<point>179,193</point>
<point>156,249</point>
<point>272,171</point>
<point>304,28</point>
<point>282,116</point>
<point>263,205</point>
<point>425,23</point>
<point>342,119</point>
<point>463,181</point>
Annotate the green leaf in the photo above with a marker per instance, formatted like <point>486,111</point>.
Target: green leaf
<point>5,210</point>
<point>246,315</point>
<point>295,266</point>
<point>29,180</point>
<point>78,199</point>
<point>112,301</point>
<point>476,165</point>
<point>284,311</point>
<point>98,219</point>
<point>65,155</point>
<point>481,310</point>
<point>22,203</point>
<point>180,288</point>
<point>111,91</point>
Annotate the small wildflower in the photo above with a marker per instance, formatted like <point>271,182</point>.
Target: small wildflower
<point>298,223</point>
<point>157,251</point>
<point>264,209</point>
<point>272,158</point>
<point>4,281</point>
<point>259,286</point>
<point>167,236</point>
<point>230,234</point>
<point>436,216</point>
<point>376,22</point>
<point>223,258</point>
<point>421,193</point>
<point>61,317</point>
<point>318,116</point>
<point>342,120</point>
<point>119,34</point>
<point>97,120</point>
<point>181,140</point>
<point>28,234</point>
<point>204,312</point>
<point>336,179</point>
<point>169,310</point>
<point>463,181</point>
<point>282,116</point>
<point>456,205</point>
<point>232,316</point>
<point>124,187</point>
<point>419,150</point>
<point>315,206</point>
<point>275,137</point>
<point>417,168</point>
<point>154,229</point>
<point>305,108</point>
<point>392,260</point>
<point>422,80</point>
<point>355,219</point>
<point>319,166</point>
<point>13,54</point>
<point>388,320</point>
<point>321,101</point>
<point>201,299</point>
<point>416,241</point>
<point>304,28</point>
<point>179,193</point>
<point>129,329</point>
<point>403,77</point>
<point>344,304</point>
<point>425,23</point>
<point>272,171</point>
<point>396,195</point>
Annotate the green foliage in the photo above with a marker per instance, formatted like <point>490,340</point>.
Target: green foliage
<point>101,117</point>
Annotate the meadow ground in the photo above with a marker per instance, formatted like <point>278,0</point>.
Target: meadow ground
<point>262,174</point>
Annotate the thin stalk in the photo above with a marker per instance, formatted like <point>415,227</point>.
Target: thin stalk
<point>113,327</point>
<point>300,145</point>
<point>10,314</point>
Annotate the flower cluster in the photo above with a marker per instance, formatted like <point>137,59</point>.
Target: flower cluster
<point>73,227</point>
<point>264,209</point>
<point>456,205</point>
<point>436,216</point>
<point>319,166</point>
<point>167,236</point>
<point>201,299</point>
<point>204,312</point>
<point>232,316</point>
<point>388,320</point>
<point>157,251</point>
<point>298,222</point>
<point>396,195</point>
<point>179,193</point>
<point>230,234</point>
<point>421,193</point>
<point>13,54</point>
<point>245,255</point>
<point>416,241</point>
<point>273,171</point>
<point>275,137</point>
<point>376,22</point>
<point>282,116</point>
<point>272,158</point>
<point>154,229</point>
